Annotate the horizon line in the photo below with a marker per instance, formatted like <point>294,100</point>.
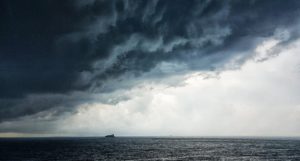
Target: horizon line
<point>152,136</point>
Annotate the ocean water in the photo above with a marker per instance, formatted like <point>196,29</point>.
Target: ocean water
<point>122,148</point>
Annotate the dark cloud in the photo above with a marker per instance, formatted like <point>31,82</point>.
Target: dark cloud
<point>50,49</point>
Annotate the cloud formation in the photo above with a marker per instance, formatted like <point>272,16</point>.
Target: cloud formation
<point>58,55</point>
<point>260,99</point>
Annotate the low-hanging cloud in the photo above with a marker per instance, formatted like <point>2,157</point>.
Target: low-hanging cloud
<point>56,55</point>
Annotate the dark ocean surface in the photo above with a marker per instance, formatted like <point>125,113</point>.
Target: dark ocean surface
<point>123,148</point>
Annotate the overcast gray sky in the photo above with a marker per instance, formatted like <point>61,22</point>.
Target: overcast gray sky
<point>149,68</point>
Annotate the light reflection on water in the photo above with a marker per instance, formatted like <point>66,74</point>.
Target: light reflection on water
<point>88,149</point>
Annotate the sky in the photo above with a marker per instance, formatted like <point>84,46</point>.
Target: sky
<point>149,68</point>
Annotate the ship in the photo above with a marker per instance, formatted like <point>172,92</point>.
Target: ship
<point>110,136</point>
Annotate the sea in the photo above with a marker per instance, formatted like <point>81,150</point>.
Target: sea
<point>148,149</point>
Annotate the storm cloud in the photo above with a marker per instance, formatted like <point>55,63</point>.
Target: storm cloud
<point>56,55</point>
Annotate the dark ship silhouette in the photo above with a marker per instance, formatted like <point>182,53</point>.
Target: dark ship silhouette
<point>110,136</point>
